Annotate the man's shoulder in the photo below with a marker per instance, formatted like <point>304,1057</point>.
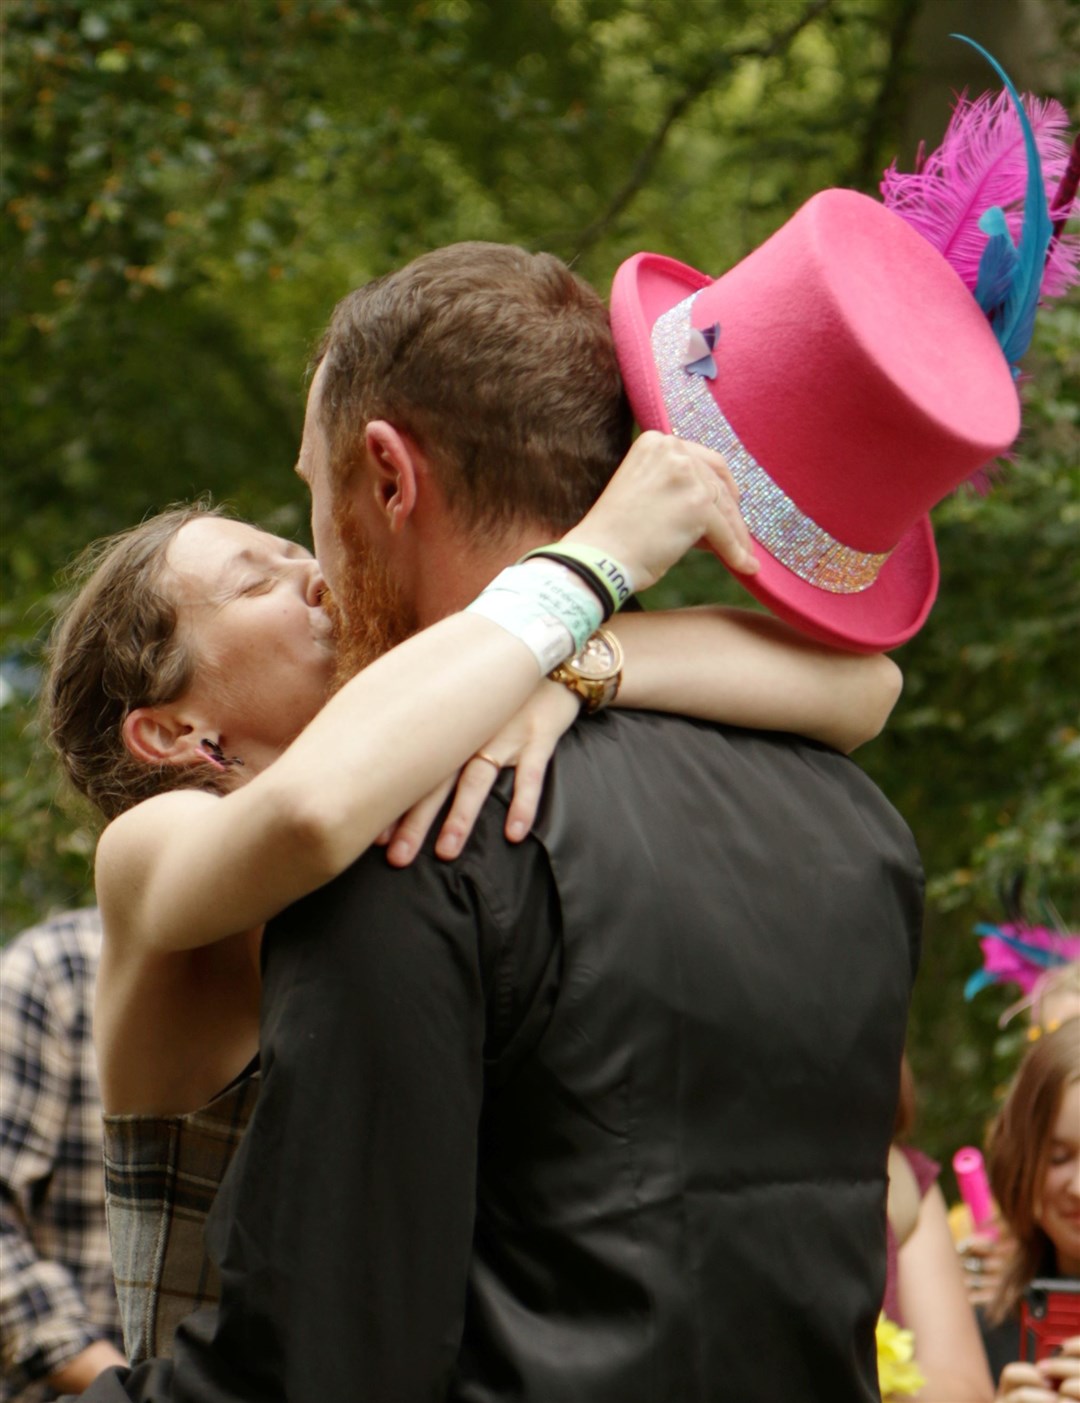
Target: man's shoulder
<point>669,771</point>
<point>652,736</point>
<point>371,893</point>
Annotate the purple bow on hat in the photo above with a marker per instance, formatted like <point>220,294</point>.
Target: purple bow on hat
<point>699,351</point>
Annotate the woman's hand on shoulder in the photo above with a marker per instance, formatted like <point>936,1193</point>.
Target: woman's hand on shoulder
<point>1046,1382</point>
<point>525,744</point>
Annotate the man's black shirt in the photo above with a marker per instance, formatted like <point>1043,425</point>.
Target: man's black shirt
<point>599,1118</point>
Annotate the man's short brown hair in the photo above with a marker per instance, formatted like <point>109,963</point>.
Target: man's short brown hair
<point>499,364</point>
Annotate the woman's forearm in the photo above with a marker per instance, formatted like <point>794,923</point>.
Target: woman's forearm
<point>178,872</point>
<point>749,669</point>
<point>189,868</point>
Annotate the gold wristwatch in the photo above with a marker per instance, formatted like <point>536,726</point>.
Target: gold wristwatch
<point>595,672</point>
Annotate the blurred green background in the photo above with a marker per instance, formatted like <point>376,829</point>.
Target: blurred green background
<point>188,189</point>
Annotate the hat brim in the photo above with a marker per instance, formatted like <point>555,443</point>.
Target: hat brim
<point>882,616</point>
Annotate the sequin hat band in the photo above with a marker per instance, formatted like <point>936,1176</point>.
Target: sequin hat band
<point>786,532</point>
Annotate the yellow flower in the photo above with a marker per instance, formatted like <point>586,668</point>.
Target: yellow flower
<point>897,1370</point>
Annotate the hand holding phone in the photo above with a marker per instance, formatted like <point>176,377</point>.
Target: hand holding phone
<point>1054,1379</point>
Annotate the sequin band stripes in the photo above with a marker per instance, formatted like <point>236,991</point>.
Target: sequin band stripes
<point>792,537</point>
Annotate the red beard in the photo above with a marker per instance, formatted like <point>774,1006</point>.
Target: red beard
<point>368,612</point>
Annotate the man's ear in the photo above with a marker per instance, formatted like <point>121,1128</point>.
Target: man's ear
<point>396,469</point>
<point>157,736</point>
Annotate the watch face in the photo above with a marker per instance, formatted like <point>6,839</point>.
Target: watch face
<point>598,660</point>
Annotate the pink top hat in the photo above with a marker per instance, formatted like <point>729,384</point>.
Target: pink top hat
<point>851,381</point>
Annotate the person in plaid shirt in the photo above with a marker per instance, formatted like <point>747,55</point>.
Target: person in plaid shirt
<point>59,1323</point>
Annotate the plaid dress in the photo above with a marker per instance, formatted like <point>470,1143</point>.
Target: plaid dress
<point>56,1291</point>
<point>161,1176</point>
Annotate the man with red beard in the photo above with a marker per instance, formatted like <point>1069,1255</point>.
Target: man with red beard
<point>600,1117</point>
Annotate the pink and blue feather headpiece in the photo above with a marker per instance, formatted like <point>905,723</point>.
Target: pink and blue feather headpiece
<point>982,200</point>
<point>1016,953</point>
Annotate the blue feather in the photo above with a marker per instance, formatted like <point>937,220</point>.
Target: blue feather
<point>997,264</point>
<point>1034,954</point>
<point>979,980</point>
<point>1016,322</point>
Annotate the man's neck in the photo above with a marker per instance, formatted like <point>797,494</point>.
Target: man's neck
<point>456,569</point>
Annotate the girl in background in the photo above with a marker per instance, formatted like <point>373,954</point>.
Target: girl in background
<point>1034,1162</point>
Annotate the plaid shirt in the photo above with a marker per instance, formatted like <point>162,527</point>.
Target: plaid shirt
<point>56,1290</point>
<point>162,1174</point>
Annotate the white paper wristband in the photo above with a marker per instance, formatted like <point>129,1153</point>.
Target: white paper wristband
<point>546,637</point>
<point>545,606</point>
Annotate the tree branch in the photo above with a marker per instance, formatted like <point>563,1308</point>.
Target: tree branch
<point>720,61</point>
<point>865,169</point>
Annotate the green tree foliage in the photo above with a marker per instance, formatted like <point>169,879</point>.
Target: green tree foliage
<point>984,755</point>
<point>186,191</point>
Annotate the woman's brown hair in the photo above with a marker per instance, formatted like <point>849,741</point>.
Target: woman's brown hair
<point>115,647</point>
<point>1019,1153</point>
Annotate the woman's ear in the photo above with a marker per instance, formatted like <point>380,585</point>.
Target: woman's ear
<point>395,470</point>
<point>155,735</point>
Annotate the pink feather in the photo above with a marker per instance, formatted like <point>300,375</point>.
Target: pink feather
<point>981,163</point>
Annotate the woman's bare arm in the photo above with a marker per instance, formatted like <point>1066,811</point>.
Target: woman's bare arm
<point>717,664</point>
<point>186,869</point>
<point>948,1348</point>
<point>749,669</point>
